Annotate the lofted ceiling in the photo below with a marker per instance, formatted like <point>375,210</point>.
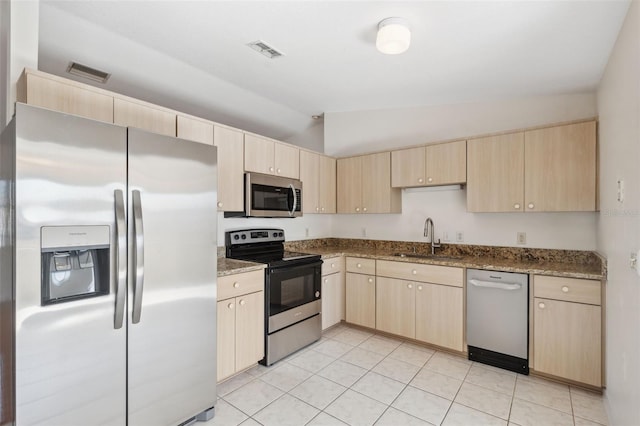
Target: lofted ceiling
<point>192,55</point>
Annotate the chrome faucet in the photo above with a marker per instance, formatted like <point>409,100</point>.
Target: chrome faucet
<point>429,233</point>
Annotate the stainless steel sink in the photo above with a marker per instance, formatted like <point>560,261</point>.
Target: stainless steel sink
<point>426,256</point>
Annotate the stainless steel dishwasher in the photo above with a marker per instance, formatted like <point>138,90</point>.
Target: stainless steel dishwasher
<point>498,319</point>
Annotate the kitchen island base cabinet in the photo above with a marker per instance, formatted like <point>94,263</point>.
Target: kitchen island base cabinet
<point>567,333</point>
<point>240,322</point>
<point>361,299</point>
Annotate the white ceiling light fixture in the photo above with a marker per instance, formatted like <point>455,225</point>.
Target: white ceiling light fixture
<point>394,36</point>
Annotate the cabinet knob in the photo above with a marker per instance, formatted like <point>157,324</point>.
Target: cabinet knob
<point>409,286</point>
<point>219,203</point>
<point>565,289</point>
<point>236,285</point>
<point>530,205</point>
<point>317,209</point>
<point>359,265</point>
<point>271,169</point>
<point>357,209</point>
<point>414,272</point>
<point>326,280</point>
<point>541,305</point>
<point>419,287</point>
<point>242,302</point>
<point>230,306</point>
<point>420,180</point>
<point>279,171</point>
<point>322,209</point>
<point>430,180</point>
<point>364,209</point>
<point>370,280</point>
<point>333,265</point>
<point>516,206</point>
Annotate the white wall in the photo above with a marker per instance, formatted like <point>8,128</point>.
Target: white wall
<point>311,138</point>
<point>447,208</point>
<point>618,227</point>
<point>348,133</point>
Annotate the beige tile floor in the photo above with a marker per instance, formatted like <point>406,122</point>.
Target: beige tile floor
<point>354,377</point>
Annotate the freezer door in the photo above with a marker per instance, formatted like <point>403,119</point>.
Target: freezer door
<point>70,358</point>
<point>172,279</point>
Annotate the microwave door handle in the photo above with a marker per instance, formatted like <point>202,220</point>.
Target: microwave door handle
<point>295,200</point>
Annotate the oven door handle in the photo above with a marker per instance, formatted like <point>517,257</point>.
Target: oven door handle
<point>295,200</point>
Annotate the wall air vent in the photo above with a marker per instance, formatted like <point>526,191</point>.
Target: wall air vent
<point>265,49</point>
<point>88,72</point>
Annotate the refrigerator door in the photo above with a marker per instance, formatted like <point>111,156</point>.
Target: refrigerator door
<point>70,357</point>
<point>172,279</point>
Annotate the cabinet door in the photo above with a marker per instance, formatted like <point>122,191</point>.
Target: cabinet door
<point>395,306</point>
<point>230,168</point>
<point>560,171</point>
<point>439,315</point>
<point>132,114</point>
<point>446,163</point>
<point>287,160</point>
<point>361,299</point>
<point>408,167</point>
<point>226,339</point>
<point>249,329</point>
<point>310,175</point>
<point>377,195</point>
<point>195,130</point>
<point>567,340</point>
<point>332,300</point>
<point>349,185</point>
<point>495,173</point>
<point>58,96</point>
<point>258,155</point>
<point>327,184</point>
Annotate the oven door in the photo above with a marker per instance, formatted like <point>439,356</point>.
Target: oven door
<point>293,293</point>
<point>272,196</point>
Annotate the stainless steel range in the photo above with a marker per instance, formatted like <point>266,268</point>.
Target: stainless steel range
<point>292,289</point>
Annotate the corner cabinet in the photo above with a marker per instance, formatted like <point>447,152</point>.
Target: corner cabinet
<point>318,176</point>
<point>262,155</point>
<point>240,322</point>
<point>551,169</point>
<point>364,185</point>
<point>438,164</point>
<point>567,328</point>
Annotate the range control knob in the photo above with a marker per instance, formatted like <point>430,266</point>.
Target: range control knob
<point>244,236</point>
<point>275,234</point>
<point>280,234</point>
<point>236,237</point>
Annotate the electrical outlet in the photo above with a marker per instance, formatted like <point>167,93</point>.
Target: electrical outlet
<point>445,236</point>
<point>459,236</point>
<point>521,238</point>
<point>364,232</point>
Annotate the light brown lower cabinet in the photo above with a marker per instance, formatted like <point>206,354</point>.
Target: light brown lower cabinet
<point>333,292</point>
<point>439,315</point>
<point>396,306</point>
<point>240,322</point>
<point>567,329</point>
<point>361,299</point>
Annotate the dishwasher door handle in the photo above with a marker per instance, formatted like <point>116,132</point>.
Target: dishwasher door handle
<point>491,284</point>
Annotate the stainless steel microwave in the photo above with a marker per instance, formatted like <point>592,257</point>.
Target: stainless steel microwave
<point>270,196</point>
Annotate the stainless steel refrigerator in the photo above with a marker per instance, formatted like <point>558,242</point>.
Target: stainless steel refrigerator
<point>107,274</point>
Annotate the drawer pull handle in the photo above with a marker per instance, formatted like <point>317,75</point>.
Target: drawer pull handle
<point>359,265</point>
<point>409,286</point>
<point>333,265</point>
<point>236,285</point>
<point>230,306</point>
<point>565,289</point>
<point>414,272</point>
<point>541,305</point>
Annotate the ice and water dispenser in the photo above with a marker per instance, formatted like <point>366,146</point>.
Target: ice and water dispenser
<point>75,262</point>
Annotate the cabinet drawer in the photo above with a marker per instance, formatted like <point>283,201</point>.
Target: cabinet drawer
<point>238,284</point>
<point>361,266</point>
<point>420,272</point>
<point>332,265</point>
<point>568,289</point>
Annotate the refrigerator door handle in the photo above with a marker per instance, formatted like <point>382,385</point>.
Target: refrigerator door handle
<point>138,257</point>
<point>121,258</point>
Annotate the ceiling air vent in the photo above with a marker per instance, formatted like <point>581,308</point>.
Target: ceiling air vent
<point>265,49</point>
<point>88,72</point>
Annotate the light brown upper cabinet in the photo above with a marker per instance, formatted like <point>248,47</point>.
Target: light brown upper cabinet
<point>551,169</point>
<point>35,88</point>
<point>195,129</point>
<point>364,185</point>
<point>438,164</point>
<point>230,168</point>
<point>318,176</point>
<point>133,114</point>
<point>267,156</point>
